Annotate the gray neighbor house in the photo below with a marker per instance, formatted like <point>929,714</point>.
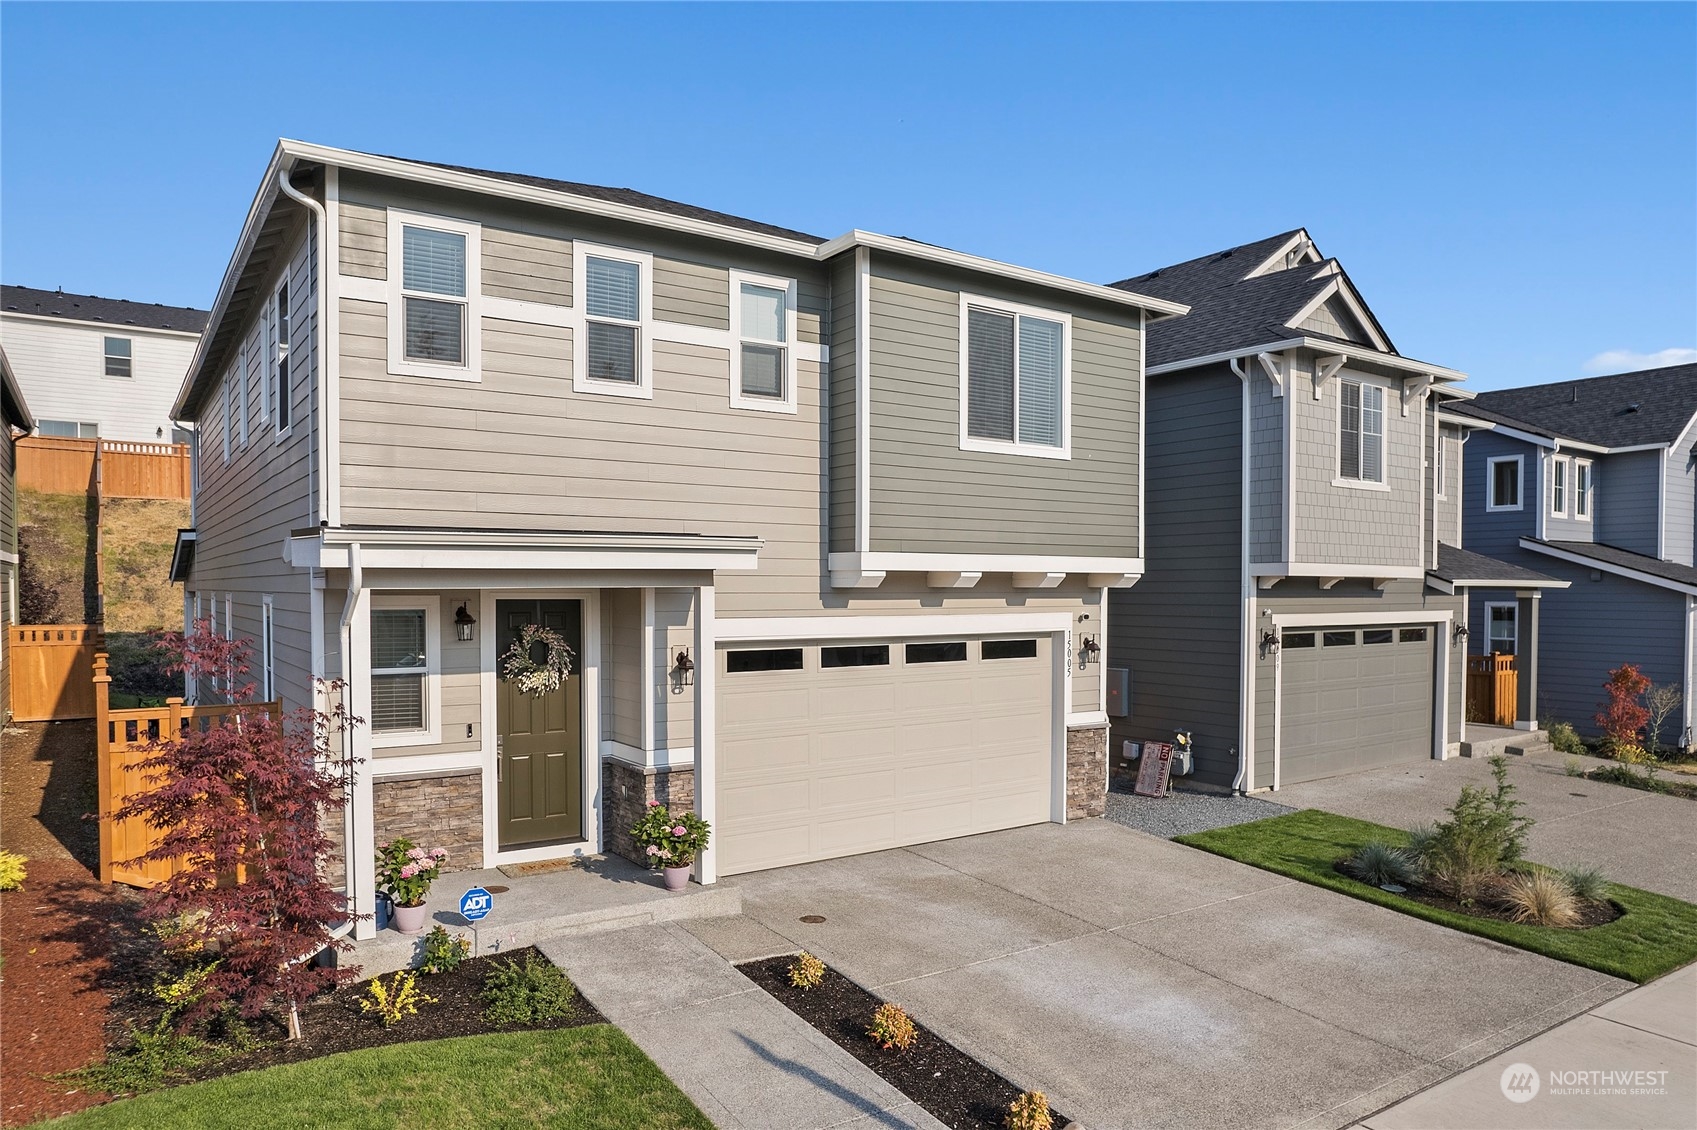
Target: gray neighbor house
<point>1303,605</point>
<point>1591,481</point>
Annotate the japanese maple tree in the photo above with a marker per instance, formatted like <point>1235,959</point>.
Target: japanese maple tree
<point>1624,714</point>
<point>241,807</point>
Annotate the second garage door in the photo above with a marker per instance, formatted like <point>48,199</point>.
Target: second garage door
<point>831,749</point>
<point>1354,698</point>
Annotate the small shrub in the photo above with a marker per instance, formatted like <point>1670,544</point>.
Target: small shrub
<point>153,1060</point>
<point>1381,865</point>
<point>1541,898</point>
<point>1420,840</point>
<point>1030,1111</point>
<point>806,971</point>
<point>182,993</point>
<point>892,1028</point>
<point>1484,835</point>
<point>1573,767</point>
<point>1661,700</point>
<point>1630,753</point>
<point>396,1001</point>
<point>1623,715</point>
<point>12,873</point>
<point>444,952</point>
<point>1565,739</point>
<point>1586,883</point>
<point>532,993</point>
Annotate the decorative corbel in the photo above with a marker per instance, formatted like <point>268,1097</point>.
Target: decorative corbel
<point>1275,367</point>
<point>1324,370</point>
<point>1413,388</point>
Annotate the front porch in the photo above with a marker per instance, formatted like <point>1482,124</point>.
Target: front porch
<point>594,894</point>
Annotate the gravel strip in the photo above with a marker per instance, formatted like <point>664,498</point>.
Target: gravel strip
<point>1185,811</point>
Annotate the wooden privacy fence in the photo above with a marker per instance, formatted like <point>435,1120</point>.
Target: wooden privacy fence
<point>121,741</point>
<point>104,467</point>
<point>52,671</point>
<point>1493,689</point>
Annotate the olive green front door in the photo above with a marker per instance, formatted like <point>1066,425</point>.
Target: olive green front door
<point>539,739</point>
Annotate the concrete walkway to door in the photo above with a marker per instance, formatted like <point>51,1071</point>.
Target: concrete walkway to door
<point>1142,983</point>
<point>1641,839</point>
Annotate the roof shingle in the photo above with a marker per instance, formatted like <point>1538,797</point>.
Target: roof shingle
<point>1459,566</point>
<point>1624,410</point>
<point>91,308</point>
<point>1624,559</point>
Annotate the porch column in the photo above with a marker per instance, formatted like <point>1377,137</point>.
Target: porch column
<point>362,846</point>
<point>706,726</point>
<point>1526,661</point>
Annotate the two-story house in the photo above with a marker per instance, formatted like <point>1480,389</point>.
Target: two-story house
<point>1303,607</point>
<point>828,525</point>
<point>99,367</point>
<point>1593,481</point>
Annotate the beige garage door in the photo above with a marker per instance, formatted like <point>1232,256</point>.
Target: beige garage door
<point>830,749</point>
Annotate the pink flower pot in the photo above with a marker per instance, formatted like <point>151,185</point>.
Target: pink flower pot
<point>408,919</point>
<point>677,878</point>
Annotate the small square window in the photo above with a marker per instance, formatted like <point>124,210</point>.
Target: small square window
<point>855,655</point>
<point>1412,635</point>
<point>1298,639</point>
<point>937,652</point>
<point>118,357</point>
<point>1378,635</point>
<point>1503,482</point>
<point>1008,649</point>
<point>763,659</point>
<point>1339,639</point>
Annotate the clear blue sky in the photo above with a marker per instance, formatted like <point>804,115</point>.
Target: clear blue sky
<point>1513,187</point>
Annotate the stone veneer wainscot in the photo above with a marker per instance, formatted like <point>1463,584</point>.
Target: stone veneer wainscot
<point>434,810</point>
<point>1087,772</point>
<point>626,790</point>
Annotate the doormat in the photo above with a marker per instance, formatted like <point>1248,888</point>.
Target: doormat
<point>542,867</point>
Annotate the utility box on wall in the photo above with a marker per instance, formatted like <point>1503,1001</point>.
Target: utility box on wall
<point>1119,692</point>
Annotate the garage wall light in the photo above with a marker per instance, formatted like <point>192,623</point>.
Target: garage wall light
<point>1269,642</point>
<point>1089,652</point>
<point>684,668</point>
<point>1460,634</point>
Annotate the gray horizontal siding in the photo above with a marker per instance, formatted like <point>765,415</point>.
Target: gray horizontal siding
<point>363,247</point>
<point>1267,519</point>
<point>1679,541</point>
<point>927,495</point>
<point>1628,496</point>
<point>841,418</point>
<point>696,294</point>
<point>1177,629</point>
<point>527,267</point>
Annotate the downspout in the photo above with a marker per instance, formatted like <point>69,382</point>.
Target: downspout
<point>316,469</point>
<point>1245,779</point>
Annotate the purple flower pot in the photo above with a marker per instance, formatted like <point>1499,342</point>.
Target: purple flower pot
<point>408,919</point>
<point>677,878</point>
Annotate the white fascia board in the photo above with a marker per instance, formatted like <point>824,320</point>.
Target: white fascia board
<point>983,563</point>
<point>1685,433</point>
<point>1229,355</point>
<point>1346,572</point>
<point>25,419</point>
<point>1443,584</point>
<point>767,629</point>
<point>1323,618</point>
<point>504,552</point>
<point>256,214</point>
<point>125,328</point>
<point>1340,288</point>
<point>1604,567</point>
<point>1465,421</point>
<point>1356,353</point>
<point>1298,237</point>
<point>962,261</point>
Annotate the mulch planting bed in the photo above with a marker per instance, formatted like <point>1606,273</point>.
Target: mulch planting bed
<point>953,1087</point>
<point>1591,912</point>
<point>1638,779</point>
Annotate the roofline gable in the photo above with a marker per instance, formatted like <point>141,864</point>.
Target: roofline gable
<point>1342,288</point>
<point>1298,238</point>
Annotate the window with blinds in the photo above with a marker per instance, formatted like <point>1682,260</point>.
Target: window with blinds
<point>433,292</point>
<point>613,306</point>
<point>764,340</point>
<point>399,666</point>
<point>1361,432</point>
<point>118,357</point>
<point>1015,378</point>
<point>280,360</point>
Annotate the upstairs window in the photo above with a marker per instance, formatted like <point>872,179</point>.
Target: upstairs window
<point>1438,465</point>
<point>1558,488</point>
<point>278,370</point>
<point>615,294</point>
<point>67,429</point>
<point>1502,479</point>
<point>762,325</point>
<point>1361,432</point>
<point>1014,380</point>
<point>1582,488</point>
<point>435,276</point>
<point>118,357</point>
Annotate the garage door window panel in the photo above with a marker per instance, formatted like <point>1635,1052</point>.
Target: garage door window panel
<point>760,660</point>
<point>1008,649</point>
<point>1339,639</point>
<point>1377,635</point>
<point>952,652</point>
<point>855,655</point>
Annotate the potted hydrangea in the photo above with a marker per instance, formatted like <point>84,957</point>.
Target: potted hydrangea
<point>405,871</point>
<point>671,842</point>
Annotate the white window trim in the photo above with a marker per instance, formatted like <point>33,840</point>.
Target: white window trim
<point>1491,504</point>
<point>267,650</point>
<point>431,733</point>
<point>277,366</point>
<point>643,389</point>
<point>739,399</point>
<point>1584,500</point>
<point>970,442</point>
<point>399,365</point>
<point>1442,466</point>
<point>1561,466</point>
<point>1514,608</point>
<point>104,375</point>
<point>229,382</point>
<point>1383,482</point>
<point>243,379</point>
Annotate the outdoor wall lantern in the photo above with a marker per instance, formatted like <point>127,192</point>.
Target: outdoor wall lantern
<point>1269,642</point>
<point>1089,652</point>
<point>684,668</point>
<point>463,623</point>
<point>1460,633</point>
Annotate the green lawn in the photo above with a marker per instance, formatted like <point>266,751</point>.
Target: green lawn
<point>590,1078</point>
<point>1655,935</point>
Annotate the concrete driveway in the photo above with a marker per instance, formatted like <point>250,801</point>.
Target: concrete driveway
<point>1142,983</point>
<point>1638,838</point>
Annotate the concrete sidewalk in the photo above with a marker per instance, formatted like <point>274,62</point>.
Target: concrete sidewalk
<point>1651,1030</point>
<point>743,1058</point>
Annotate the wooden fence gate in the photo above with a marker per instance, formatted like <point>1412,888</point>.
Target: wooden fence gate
<point>52,670</point>
<point>121,744</point>
<point>1493,689</point>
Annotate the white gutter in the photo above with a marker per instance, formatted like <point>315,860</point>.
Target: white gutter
<point>321,343</point>
<point>1246,620</point>
<point>1354,352</point>
<point>356,581</point>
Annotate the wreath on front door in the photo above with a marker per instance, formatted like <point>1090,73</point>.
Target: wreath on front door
<point>529,675</point>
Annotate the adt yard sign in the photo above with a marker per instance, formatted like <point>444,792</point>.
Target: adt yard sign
<point>476,904</point>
